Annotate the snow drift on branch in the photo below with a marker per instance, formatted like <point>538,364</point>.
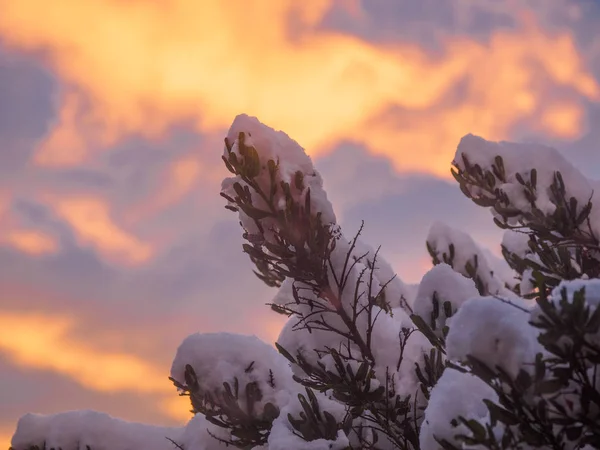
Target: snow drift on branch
<point>252,141</point>
<point>519,162</point>
<point>219,358</point>
<point>99,431</point>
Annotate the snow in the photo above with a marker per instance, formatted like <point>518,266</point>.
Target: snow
<point>285,295</point>
<point>283,435</point>
<point>520,159</point>
<point>495,332</point>
<point>491,329</point>
<point>291,158</point>
<point>216,358</point>
<point>199,435</point>
<point>297,340</point>
<point>271,144</point>
<point>501,271</point>
<point>78,429</point>
<point>448,286</point>
<point>500,335</point>
<point>516,242</point>
<point>591,289</point>
<point>388,327</point>
<point>397,293</point>
<point>441,236</point>
<point>386,338</point>
<point>75,430</point>
<point>456,394</point>
<point>220,357</point>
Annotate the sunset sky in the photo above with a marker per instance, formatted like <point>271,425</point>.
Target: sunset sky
<point>114,243</point>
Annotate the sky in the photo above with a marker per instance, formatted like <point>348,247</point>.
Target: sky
<point>114,243</point>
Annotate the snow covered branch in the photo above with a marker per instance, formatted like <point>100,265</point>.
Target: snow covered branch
<point>534,190</point>
<point>341,295</point>
<point>491,275</point>
<point>483,353</point>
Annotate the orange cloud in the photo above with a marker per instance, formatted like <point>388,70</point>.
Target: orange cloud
<point>562,118</point>
<point>143,66</point>
<point>42,342</point>
<point>31,241</point>
<point>91,220</point>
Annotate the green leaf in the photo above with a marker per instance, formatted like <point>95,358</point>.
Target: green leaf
<point>427,331</point>
<point>500,414</point>
<point>523,381</point>
<point>285,353</point>
<point>549,386</point>
<point>477,429</point>
<point>299,180</point>
<point>251,162</point>
<point>228,145</point>
<point>239,190</point>
<point>228,165</point>
<point>254,213</point>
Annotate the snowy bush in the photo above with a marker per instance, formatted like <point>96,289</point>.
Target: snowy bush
<point>484,353</point>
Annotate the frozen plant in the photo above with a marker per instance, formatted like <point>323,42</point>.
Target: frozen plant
<point>484,353</point>
<point>350,335</point>
<point>536,362</point>
<point>533,190</point>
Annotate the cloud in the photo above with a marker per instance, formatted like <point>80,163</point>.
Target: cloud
<point>43,390</point>
<point>31,241</point>
<point>584,153</point>
<point>42,342</point>
<point>146,67</point>
<point>25,111</point>
<point>91,220</point>
<point>185,289</point>
<point>67,143</point>
<point>26,338</point>
<point>115,243</point>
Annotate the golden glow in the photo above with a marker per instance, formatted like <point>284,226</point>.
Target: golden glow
<point>31,241</point>
<point>176,406</point>
<point>42,342</point>
<point>5,438</point>
<point>142,66</point>
<point>92,222</point>
<point>562,118</point>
